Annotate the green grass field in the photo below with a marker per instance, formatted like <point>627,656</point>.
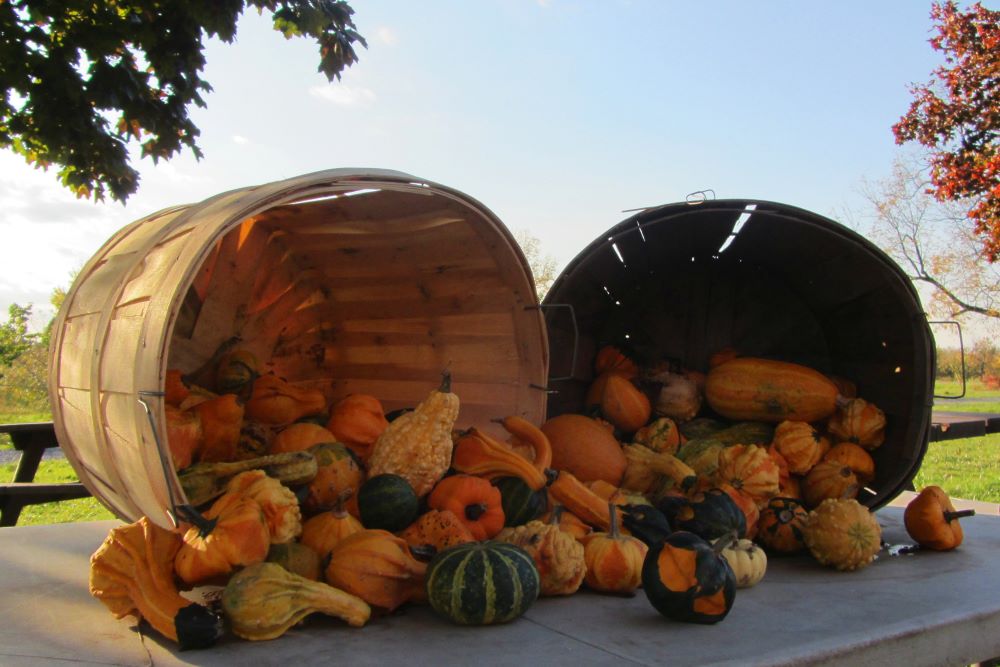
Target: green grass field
<point>967,468</point>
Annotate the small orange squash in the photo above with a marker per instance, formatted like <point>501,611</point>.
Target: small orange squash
<point>931,519</point>
<point>614,561</point>
<point>477,503</point>
<point>621,402</point>
<point>829,479</point>
<point>377,567</point>
<point>325,530</point>
<point>221,420</point>
<point>357,420</point>
<point>338,473</point>
<point>749,469</point>
<point>234,534</point>
<point>437,528</point>
<point>183,435</point>
<point>854,457</point>
<point>276,401</point>
<point>610,358</point>
<point>300,436</point>
<point>660,435</point>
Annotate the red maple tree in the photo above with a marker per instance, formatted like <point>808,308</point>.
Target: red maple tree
<point>957,116</point>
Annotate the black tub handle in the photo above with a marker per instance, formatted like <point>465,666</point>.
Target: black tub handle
<point>961,353</point>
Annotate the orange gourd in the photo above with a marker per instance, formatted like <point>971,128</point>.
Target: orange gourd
<point>610,358</point>
<point>300,436</point>
<point>279,504</point>
<point>574,495</point>
<point>829,479</point>
<point>931,519</point>
<point>323,532</point>
<point>586,448</point>
<point>221,420</point>
<point>858,421</point>
<point>661,435</point>
<point>780,526</point>
<point>854,457</point>
<point>476,503</point>
<point>234,534</point>
<point>525,435</point>
<point>338,473</point>
<point>183,436</point>
<point>749,469</point>
<point>800,444</point>
<point>622,403</point>
<point>439,529</point>
<point>276,401</point>
<point>357,420</point>
<point>174,389</point>
<point>377,567</point>
<point>614,561</point>
<point>477,453</point>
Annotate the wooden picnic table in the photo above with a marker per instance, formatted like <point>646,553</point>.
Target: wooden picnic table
<point>925,608</point>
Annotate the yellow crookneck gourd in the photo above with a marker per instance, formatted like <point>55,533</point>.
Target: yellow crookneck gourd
<point>417,445</point>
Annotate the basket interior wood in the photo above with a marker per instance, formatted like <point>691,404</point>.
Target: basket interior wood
<point>675,283</point>
<point>377,292</point>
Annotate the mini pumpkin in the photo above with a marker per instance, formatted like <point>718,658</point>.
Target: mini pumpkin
<point>854,457</point>
<point>780,526</point>
<point>234,534</point>
<point>931,519</point>
<point>749,562</point>
<point>829,479</point>
<point>749,469</point>
<point>477,503</point>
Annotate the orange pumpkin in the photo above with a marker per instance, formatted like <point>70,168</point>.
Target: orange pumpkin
<point>854,457</point>
<point>932,520</point>
<point>174,390</point>
<point>829,479</point>
<point>357,420</point>
<point>234,534</point>
<point>325,530</point>
<point>749,469</point>
<point>475,501</point>
<point>586,448</point>
<point>800,444</point>
<point>614,561</point>
<point>858,421</point>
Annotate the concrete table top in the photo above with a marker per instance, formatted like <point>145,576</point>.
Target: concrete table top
<point>924,608</point>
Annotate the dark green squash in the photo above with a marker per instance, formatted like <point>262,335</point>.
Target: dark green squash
<point>520,503</point>
<point>482,583</point>
<point>709,515</point>
<point>685,579</point>
<point>646,523</point>
<point>387,502</point>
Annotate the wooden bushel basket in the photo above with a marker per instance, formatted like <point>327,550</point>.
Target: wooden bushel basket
<point>681,281</point>
<point>367,281</point>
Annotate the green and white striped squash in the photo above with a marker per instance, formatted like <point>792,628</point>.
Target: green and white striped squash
<point>482,583</point>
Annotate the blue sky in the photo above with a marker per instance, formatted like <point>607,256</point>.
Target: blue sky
<point>556,114</point>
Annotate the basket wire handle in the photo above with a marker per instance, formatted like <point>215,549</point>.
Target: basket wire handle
<point>177,511</point>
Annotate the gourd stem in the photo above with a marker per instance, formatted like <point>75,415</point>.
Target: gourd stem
<point>474,511</point>
<point>445,387</point>
<point>951,516</point>
<point>724,541</point>
<point>613,529</point>
<point>556,516</point>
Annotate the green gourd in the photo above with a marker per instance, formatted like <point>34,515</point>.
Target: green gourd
<point>387,502</point>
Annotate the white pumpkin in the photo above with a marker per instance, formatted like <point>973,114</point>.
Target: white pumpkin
<point>749,562</point>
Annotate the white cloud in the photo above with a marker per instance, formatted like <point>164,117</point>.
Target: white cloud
<point>387,35</point>
<point>241,140</point>
<point>345,96</point>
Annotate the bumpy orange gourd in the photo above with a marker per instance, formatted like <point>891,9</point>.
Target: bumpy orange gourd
<point>279,504</point>
<point>931,519</point>
<point>221,420</point>
<point>585,447</point>
<point>235,535</point>
<point>437,528</point>
<point>276,401</point>
<point>417,445</point>
<point>858,421</point>
<point>842,533</point>
<point>749,469</point>
<point>557,554</point>
<point>748,388</point>
<point>377,567</point>
<point>614,561</point>
<point>477,503</point>
<point>357,420</point>
<point>337,473</point>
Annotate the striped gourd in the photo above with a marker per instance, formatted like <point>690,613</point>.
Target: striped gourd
<point>771,391</point>
<point>482,583</point>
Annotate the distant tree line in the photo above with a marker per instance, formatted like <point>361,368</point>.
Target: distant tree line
<point>982,362</point>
